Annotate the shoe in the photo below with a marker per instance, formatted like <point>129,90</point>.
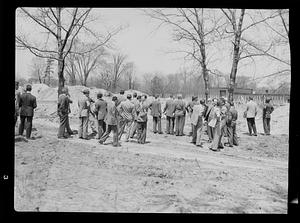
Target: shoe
<point>100,141</point>
<point>199,145</point>
<point>215,150</point>
<point>160,133</point>
<point>154,132</point>
<point>193,142</point>
<point>255,134</point>
<point>221,147</point>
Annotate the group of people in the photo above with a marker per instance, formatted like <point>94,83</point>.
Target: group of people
<point>129,115</point>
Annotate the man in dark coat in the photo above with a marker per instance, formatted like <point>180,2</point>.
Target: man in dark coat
<point>27,104</point>
<point>156,112</point>
<point>142,119</point>
<point>63,108</point>
<point>232,116</point>
<point>267,110</point>
<point>111,119</point>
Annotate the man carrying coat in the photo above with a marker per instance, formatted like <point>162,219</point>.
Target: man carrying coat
<point>27,105</point>
<point>155,107</point>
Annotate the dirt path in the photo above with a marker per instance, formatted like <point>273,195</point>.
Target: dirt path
<point>166,175</point>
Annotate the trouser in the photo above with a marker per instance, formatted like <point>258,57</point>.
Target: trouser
<point>63,121</point>
<point>157,124</point>
<point>114,129</point>
<point>125,123</point>
<point>16,118</point>
<point>231,132</point>
<point>170,125</point>
<point>101,128</point>
<point>197,130</point>
<point>216,143</point>
<point>266,124</point>
<point>182,124</point>
<point>179,125</point>
<point>93,122</point>
<point>28,125</point>
<point>141,131</point>
<point>251,125</point>
<point>133,129</point>
<point>68,128</point>
<point>210,132</point>
<point>83,127</point>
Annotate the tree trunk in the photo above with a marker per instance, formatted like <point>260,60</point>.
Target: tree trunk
<point>206,82</point>
<point>60,68</point>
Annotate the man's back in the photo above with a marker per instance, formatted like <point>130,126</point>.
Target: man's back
<point>28,104</point>
<point>83,104</point>
<point>155,108</point>
<point>101,108</point>
<point>179,107</point>
<point>111,115</point>
<point>267,110</point>
<point>170,107</point>
<point>63,104</point>
<point>126,109</point>
<point>251,109</point>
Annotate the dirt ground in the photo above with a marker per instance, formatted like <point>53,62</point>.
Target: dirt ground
<point>167,174</point>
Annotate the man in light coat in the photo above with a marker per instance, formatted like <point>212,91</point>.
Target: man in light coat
<point>100,112</point>
<point>179,115</point>
<point>250,113</point>
<point>197,122</point>
<point>84,110</point>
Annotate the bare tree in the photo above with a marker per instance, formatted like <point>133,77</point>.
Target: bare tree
<point>246,47</point>
<point>129,75</point>
<point>196,27</point>
<point>38,67</point>
<point>62,25</point>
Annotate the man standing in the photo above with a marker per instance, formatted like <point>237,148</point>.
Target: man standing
<point>121,97</point>
<point>216,124</point>
<point>250,113</point>
<point>232,116</point>
<point>84,110</point>
<point>111,119</point>
<point>142,120</point>
<point>208,117</point>
<point>135,124</point>
<point>169,110</point>
<point>17,100</point>
<point>63,107</point>
<point>100,112</point>
<point>126,111</point>
<point>27,104</point>
<point>155,107</point>
<point>179,115</point>
<point>267,110</point>
<point>197,122</point>
<point>189,109</point>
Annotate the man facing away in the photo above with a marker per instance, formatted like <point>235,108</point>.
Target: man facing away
<point>251,112</point>
<point>179,115</point>
<point>208,117</point>
<point>232,117</point>
<point>135,124</point>
<point>169,110</point>
<point>84,110</point>
<point>267,110</point>
<point>100,112</point>
<point>189,109</point>
<point>197,121</point>
<point>216,144</point>
<point>156,112</point>
<point>142,119</point>
<point>126,111</point>
<point>27,104</point>
<point>63,108</point>
<point>111,119</point>
<point>17,100</point>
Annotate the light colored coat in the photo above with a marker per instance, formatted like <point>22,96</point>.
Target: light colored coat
<point>112,113</point>
<point>155,107</point>
<point>197,113</point>
<point>170,107</point>
<point>251,109</point>
<point>84,106</point>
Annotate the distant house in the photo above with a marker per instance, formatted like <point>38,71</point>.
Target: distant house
<point>223,91</point>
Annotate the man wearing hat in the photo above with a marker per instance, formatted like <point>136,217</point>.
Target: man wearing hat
<point>169,110</point>
<point>84,110</point>
<point>179,115</point>
<point>63,107</point>
<point>267,110</point>
<point>189,109</point>
<point>250,113</point>
<point>142,119</point>
<point>156,112</point>
<point>27,104</point>
<point>126,111</point>
<point>111,119</point>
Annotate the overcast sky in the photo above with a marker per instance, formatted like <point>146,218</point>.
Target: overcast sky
<point>144,45</point>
